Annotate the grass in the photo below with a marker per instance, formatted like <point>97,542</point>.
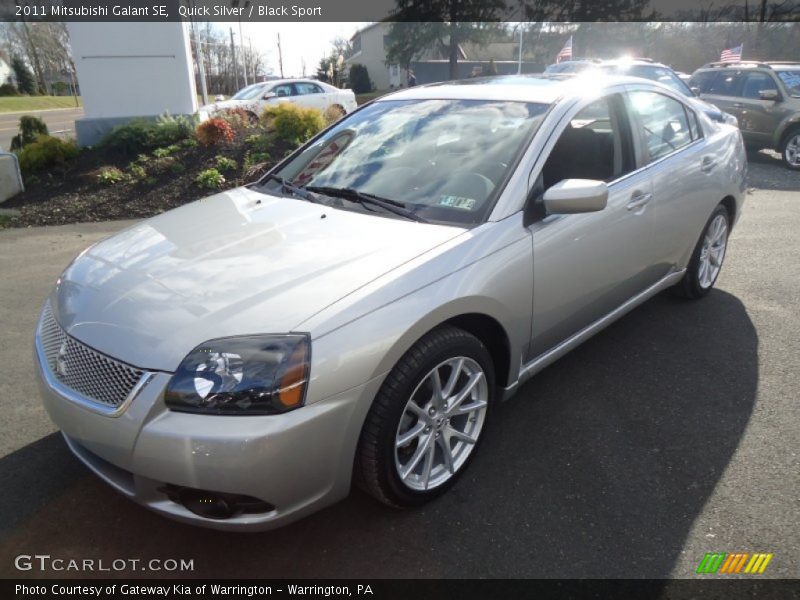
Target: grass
<point>363,98</point>
<point>26,103</point>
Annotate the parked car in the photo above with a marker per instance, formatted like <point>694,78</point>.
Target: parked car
<point>303,92</point>
<point>655,71</point>
<point>763,96</point>
<point>576,65</point>
<point>356,314</point>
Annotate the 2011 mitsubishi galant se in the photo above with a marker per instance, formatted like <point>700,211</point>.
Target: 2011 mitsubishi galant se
<point>354,316</point>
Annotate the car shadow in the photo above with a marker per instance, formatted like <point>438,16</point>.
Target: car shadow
<point>597,468</point>
<point>766,171</point>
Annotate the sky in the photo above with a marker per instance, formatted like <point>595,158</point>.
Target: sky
<point>299,41</point>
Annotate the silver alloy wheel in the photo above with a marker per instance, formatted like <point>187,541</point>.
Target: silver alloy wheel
<point>441,423</point>
<point>791,153</point>
<point>713,251</point>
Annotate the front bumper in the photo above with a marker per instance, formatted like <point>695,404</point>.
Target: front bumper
<point>296,462</point>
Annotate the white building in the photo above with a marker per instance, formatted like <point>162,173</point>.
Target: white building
<point>129,70</point>
<point>6,72</point>
<point>369,49</point>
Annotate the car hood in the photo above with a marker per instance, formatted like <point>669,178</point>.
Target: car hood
<point>237,263</point>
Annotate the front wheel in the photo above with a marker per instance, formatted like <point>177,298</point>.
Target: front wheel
<point>427,419</point>
<point>706,261</point>
<point>790,152</point>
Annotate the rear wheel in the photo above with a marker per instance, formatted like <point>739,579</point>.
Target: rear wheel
<point>790,150</point>
<point>708,256</point>
<point>427,419</point>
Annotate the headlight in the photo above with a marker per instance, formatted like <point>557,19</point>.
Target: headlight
<point>248,375</point>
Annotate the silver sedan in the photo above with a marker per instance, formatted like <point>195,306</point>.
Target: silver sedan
<point>355,316</point>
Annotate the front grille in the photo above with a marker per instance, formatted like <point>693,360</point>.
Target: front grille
<point>95,376</point>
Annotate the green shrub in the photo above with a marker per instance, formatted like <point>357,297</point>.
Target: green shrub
<point>292,124</point>
<point>140,134</point>
<point>210,179</point>
<point>131,137</point>
<point>161,152</point>
<point>30,128</point>
<point>177,167</point>
<point>189,143</point>
<point>214,131</point>
<point>142,158</point>
<point>170,130</point>
<point>137,171</point>
<point>254,158</point>
<point>258,142</point>
<point>8,89</point>
<point>360,82</point>
<point>45,152</point>
<point>110,175</point>
<point>224,163</point>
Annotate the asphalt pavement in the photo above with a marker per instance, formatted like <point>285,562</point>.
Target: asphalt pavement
<point>60,122</point>
<point>673,433</point>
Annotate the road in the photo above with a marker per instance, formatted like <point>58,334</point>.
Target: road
<point>59,122</point>
<point>673,433</point>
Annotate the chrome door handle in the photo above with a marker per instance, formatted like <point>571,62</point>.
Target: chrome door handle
<point>738,105</point>
<point>638,200</point>
<point>708,164</point>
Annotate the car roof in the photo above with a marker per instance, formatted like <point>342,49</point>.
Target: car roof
<point>753,64</point>
<point>541,88</point>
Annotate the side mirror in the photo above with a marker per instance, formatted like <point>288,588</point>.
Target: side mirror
<point>572,196</point>
<point>769,95</point>
<point>695,91</point>
<point>269,95</point>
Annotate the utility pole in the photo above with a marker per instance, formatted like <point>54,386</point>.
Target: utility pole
<point>519,60</point>
<point>201,67</point>
<point>233,58</point>
<point>71,68</point>
<point>246,5</point>
<point>280,56</point>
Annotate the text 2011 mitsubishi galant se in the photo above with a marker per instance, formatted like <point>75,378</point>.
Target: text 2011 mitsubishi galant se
<point>354,316</point>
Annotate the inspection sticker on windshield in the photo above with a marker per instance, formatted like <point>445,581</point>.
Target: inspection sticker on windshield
<point>457,202</point>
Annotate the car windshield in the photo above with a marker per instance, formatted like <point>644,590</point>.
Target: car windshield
<point>444,160</point>
<point>791,79</point>
<point>248,93</point>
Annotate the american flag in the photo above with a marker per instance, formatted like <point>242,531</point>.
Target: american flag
<point>566,51</point>
<point>731,55</point>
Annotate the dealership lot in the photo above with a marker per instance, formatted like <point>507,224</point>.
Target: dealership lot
<point>671,434</point>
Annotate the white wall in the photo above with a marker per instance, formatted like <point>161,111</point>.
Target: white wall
<point>133,69</point>
<point>373,55</point>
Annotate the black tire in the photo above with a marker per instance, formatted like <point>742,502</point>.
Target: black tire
<point>375,471</point>
<point>690,286</point>
<point>784,149</point>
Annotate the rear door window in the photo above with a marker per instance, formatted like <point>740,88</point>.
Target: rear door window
<point>726,83</point>
<point>702,81</point>
<point>757,82</point>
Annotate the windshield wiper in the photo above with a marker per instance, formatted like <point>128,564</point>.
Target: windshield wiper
<point>297,191</point>
<point>392,206</point>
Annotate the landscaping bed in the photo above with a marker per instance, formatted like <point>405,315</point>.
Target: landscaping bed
<point>122,180</point>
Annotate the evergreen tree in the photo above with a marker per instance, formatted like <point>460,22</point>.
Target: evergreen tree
<point>25,82</point>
